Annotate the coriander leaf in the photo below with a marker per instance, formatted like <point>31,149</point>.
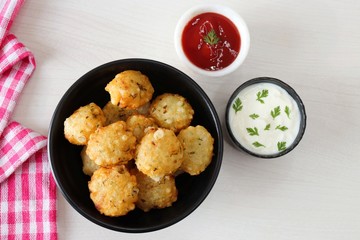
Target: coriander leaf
<point>281,146</point>
<point>252,131</point>
<point>264,93</point>
<point>275,112</point>
<point>267,128</point>
<point>257,144</point>
<point>211,38</point>
<point>237,106</point>
<point>287,111</point>
<point>282,128</point>
<point>254,116</point>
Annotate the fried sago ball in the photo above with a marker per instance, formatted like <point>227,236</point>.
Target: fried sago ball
<point>113,190</point>
<point>155,194</point>
<point>159,153</point>
<point>138,124</point>
<point>82,123</point>
<point>114,113</point>
<point>89,165</point>
<point>171,111</point>
<point>111,145</point>
<point>198,149</point>
<point>130,89</point>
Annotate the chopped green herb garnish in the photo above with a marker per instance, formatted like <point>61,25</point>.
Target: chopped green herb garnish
<point>287,111</point>
<point>264,93</point>
<point>281,146</point>
<point>254,116</point>
<point>237,106</point>
<point>252,131</point>
<point>267,128</point>
<point>282,128</point>
<point>275,112</point>
<point>257,144</point>
<point>211,38</point>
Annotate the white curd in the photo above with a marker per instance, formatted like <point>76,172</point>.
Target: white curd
<point>264,118</point>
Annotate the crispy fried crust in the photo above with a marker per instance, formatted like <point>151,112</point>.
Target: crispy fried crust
<point>159,153</point>
<point>171,111</point>
<point>111,145</point>
<point>89,165</point>
<point>115,113</point>
<point>82,123</point>
<point>138,124</point>
<point>155,194</point>
<point>113,190</point>
<point>130,89</point>
<point>198,149</point>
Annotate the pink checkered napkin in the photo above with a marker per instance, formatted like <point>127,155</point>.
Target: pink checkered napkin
<point>28,194</point>
<point>27,189</point>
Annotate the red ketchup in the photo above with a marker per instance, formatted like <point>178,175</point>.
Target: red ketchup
<point>211,41</point>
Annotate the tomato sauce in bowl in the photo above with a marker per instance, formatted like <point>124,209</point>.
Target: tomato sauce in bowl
<point>211,41</point>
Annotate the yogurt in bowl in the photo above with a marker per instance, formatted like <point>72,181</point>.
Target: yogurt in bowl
<point>265,117</point>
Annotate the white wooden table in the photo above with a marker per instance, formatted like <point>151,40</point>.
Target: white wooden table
<point>313,45</point>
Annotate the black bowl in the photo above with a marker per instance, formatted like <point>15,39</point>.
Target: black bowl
<point>291,92</point>
<point>66,162</point>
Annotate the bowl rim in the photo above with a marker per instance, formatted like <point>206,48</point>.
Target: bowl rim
<point>226,12</point>
<point>219,156</point>
<point>291,92</point>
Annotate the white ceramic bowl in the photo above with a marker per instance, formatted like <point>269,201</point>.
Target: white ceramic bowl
<point>231,15</point>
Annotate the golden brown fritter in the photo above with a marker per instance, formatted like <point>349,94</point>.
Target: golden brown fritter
<point>137,124</point>
<point>89,165</point>
<point>115,113</point>
<point>82,123</point>
<point>111,145</point>
<point>113,190</point>
<point>159,153</point>
<point>130,89</point>
<point>171,111</point>
<point>155,194</point>
<point>198,149</point>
